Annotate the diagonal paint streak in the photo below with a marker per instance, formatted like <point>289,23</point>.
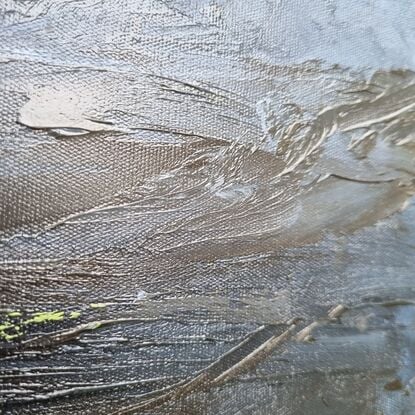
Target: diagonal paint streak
<point>209,377</point>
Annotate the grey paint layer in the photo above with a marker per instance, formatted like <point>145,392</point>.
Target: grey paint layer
<point>206,207</point>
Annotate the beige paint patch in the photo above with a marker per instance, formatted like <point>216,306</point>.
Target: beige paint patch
<point>65,111</point>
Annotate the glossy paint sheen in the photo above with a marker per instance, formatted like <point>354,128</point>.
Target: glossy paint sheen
<point>206,207</point>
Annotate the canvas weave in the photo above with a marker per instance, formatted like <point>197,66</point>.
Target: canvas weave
<point>206,207</point>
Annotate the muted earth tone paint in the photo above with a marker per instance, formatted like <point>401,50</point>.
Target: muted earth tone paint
<point>206,207</point>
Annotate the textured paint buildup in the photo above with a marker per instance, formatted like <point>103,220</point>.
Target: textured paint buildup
<point>207,207</point>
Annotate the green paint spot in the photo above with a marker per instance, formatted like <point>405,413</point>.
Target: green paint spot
<point>98,305</point>
<point>46,316</point>
<point>10,337</point>
<point>74,314</point>
<point>9,331</point>
<point>93,325</point>
<point>14,314</point>
<point>5,326</point>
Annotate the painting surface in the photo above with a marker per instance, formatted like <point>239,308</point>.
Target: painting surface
<point>206,207</point>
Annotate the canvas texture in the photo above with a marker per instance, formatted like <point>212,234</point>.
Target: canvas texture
<point>206,207</point>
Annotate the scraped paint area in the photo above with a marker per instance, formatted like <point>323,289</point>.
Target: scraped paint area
<point>206,207</point>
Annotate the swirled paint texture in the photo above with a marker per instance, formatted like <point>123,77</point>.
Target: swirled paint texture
<point>206,207</point>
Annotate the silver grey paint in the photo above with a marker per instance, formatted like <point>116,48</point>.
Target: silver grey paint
<point>210,170</point>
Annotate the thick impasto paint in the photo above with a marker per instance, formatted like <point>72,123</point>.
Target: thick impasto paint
<point>206,207</point>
